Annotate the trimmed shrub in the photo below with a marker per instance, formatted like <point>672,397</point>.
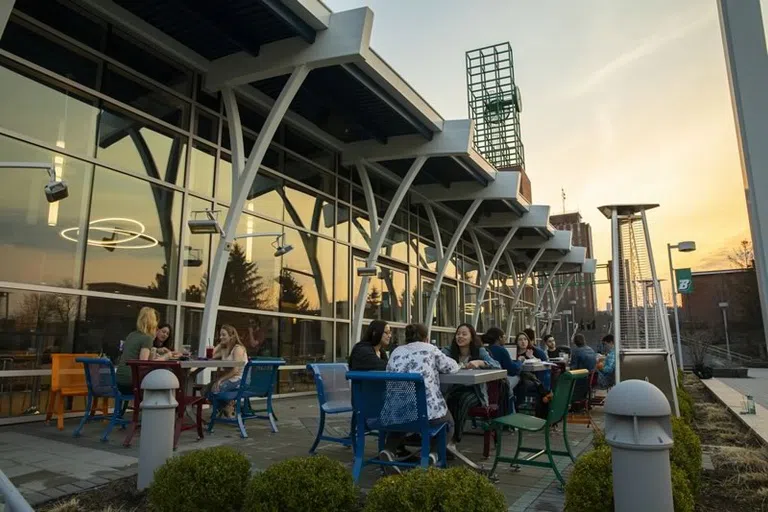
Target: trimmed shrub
<point>685,402</point>
<point>590,486</point>
<point>682,496</point>
<point>314,483</point>
<point>686,452</point>
<point>598,439</point>
<point>435,489</point>
<point>213,479</point>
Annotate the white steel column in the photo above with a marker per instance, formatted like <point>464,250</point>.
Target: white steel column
<point>512,270</point>
<point>6,6</point>
<point>547,283</point>
<point>479,252</point>
<point>445,259</point>
<point>616,290</point>
<point>521,287</point>
<point>377,241</point>
<point>487,277</point>
<point>556,302</point>
<point>245,176</point>
<point>370,200</point>
<point>743,35</point>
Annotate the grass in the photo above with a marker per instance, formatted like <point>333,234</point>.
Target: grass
<point>117,496</point>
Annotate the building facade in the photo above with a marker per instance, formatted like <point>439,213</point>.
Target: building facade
<point>119,104</point>
<point>581,294</point>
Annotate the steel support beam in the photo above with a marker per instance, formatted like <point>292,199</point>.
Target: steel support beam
<point>505,186</point>
<point>556,301</point>
<point>245,176</point>
<point>445,259</point>
<point>501,250</point>
<point>377,241</point>
<point>435,232</point>
<point>548,282</point>
<point>370,200</point>
<point>520,288</point>
<point>6,6</point>
<point>478,253</point>
<point>741,22</point>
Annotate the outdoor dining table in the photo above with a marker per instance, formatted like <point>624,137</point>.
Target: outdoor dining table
<point>186,371</point>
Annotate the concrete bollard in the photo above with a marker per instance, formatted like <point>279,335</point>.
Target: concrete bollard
<point>157,423</point>
<point>639,430</point>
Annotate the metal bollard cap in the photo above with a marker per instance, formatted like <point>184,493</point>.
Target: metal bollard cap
<point>637,398</point>
<point>158,380</point>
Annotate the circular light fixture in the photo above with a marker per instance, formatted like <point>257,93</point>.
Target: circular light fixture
<point>126,235</point>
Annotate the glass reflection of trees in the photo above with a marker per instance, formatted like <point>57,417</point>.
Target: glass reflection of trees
<point>387,294</point>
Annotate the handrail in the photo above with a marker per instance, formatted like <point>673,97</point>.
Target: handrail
<point>721,352</point>
<point>13,498</point>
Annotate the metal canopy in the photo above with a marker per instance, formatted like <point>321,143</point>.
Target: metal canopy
<point>344,105</point>
<point>217,29</point>
<point>624,210</point>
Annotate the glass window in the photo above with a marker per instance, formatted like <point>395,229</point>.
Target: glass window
<point>129,143</point>
<point>34,248</point>
<point>70,122</point>
<point>308,210</point>
<point>305,341</point>
<point>342,342</point>
<point>265,195</point>
<point>308,149</point>
<point>201,169</point>
<point>387,294</point>
<point>250,118</point>
<point>343,191</point>
<point>444,313</point>
<point>342,223</point>
<point>469,271</point>
<point>342,281</point>
<point>206,126</point>
<point>469,301</point>
<point>252,275</point>
<point>413,283</point>
<point>427,255</point>
<point>119,85</point>
<point>358,198</point>
<point>361,230</point>
<point>307,275</point>
<point>212,101</point>
<point>308,174</point>
<point>196,257</point>
<point>395,244</point>
<point>147,61</point>
<point>257,332</point>
<point>271,158</point>
<point>134,225</point>
<point>47,51</point>
<point>66,18</point>
<point>104,322</point>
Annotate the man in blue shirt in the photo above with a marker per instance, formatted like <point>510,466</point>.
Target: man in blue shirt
<point>582,357</point>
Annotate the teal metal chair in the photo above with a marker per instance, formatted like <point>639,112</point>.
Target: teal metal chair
<point>558,412</point>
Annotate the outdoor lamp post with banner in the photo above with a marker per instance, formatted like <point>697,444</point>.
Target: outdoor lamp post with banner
<point>687,282</point>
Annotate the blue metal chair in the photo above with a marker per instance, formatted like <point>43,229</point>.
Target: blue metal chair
<point>392,402</point>
<point>101,382</point>
<point>334,395</point>
<point>258,381</point>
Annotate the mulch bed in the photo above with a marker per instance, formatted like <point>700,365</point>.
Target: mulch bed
<point>739,481</point>
<point>117,496</point>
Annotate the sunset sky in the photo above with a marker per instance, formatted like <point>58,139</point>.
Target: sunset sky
<point>623,102</point>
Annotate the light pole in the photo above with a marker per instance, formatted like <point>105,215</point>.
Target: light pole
<point>723,308</point>
<point>567,314</point>
<point>572,302</point>
<point>682,247</point>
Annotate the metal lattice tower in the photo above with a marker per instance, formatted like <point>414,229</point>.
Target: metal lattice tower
<point>495,105</point>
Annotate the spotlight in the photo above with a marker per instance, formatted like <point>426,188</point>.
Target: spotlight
<point>207,226</point>
<point>367,271</point>
<point>281,250</point>
<point>56,190</point>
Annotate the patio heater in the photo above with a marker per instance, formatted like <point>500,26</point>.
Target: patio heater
<point>643,337</point>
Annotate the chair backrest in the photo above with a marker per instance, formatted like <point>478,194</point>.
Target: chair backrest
<point>561,400</point>
<point>66,372</point>
<point>395,401</point>
<point>331,382</point>
<point>259,376</point>
<point>99,376</point>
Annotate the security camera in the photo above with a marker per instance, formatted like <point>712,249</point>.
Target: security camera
<point>367,271</point>
<point>56,190</point>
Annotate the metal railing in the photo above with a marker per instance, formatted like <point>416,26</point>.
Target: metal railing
<point>14,501</point>
<point>720,353</point>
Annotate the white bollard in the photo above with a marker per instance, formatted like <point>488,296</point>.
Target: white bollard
<point>639,431</point>
<point>157,423</point>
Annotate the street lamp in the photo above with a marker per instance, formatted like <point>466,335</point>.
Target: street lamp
<point>723,307</point>
<point>682,247</point>
<point>567,313</point>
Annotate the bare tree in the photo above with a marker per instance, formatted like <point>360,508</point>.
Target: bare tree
<point>699,344</point>
<point>743,256</point>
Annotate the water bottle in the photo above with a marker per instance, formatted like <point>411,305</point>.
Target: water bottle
<point>751,409</point>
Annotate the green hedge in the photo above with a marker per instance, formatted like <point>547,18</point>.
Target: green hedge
<point>314,483</point>
<point>682,496</point>
<point>209,480</point>
<point>448,490</point>
<point>686,452</point>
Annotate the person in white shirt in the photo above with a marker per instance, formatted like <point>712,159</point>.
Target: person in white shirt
<point>419,356</point>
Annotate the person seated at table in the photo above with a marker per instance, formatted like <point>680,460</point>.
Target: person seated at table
<point>229,348</point>
<point>531,336</point>
<point>532,382</point>
<point>419,356</point>
<point>467,351</point>
<point>553,351</point>
<point>495,339</point>
<point>606,370</point>
<point>582,357</point>
<point>369,354</point>
<point>137,345</point>
<point>164,341</point>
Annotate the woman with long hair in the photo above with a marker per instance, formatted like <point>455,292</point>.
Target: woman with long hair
<point>369,354</point>
<point>137,345</point>
<point>531,382</point>
<point>467,351</point>
<point>229,348</point>
<point>164,339</point>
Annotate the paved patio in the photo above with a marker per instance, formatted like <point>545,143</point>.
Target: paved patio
<point>45,463</point>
